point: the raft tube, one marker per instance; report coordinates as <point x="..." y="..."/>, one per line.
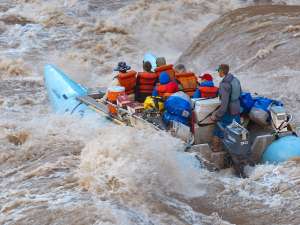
<point x="62" y="92"/>
<point x="283" y="149"/>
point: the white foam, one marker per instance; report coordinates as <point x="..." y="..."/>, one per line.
<point x="132" y="177"/>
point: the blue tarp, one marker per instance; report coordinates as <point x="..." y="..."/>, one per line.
<point x="247" y="102"/>
<point x="178" y="108"/>
<point x="179" y="104"/>
<point x="168" y="117"/>
<point x="263" y="103"/>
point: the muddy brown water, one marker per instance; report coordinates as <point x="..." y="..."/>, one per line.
<point x="58" y="169"/>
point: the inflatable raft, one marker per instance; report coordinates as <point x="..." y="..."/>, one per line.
<point x="265" y="145"/>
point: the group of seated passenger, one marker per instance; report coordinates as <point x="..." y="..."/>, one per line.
<point x="163" y="81"/>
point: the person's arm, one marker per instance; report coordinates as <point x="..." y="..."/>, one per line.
<point x="225" y="90"/>
<point x="115" y="82"/>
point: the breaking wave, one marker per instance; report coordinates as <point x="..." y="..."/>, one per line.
<point x="56" y="169"/>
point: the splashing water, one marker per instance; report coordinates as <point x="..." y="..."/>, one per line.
<point x="60" y="170"/>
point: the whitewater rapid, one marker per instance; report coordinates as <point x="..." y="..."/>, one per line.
<point x="60" y="170"/>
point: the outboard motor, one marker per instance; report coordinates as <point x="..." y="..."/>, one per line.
<point x="236" y="139"/>
<point x="236" y="142"/>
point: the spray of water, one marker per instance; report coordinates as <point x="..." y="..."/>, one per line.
<point x="57" y="169"/>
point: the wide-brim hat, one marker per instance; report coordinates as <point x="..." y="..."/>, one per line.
<point x="122" y="66"/>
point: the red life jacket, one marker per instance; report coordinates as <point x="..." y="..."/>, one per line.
<point x="209" y="92"/>
<point x="188" y="81"/>
<point x="166" y="90"/>
<point x="146" y="82"/>
<point x="166" y="68"/>
<point x="128" y="80"/>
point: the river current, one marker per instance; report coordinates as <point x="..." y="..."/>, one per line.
<point x="57" y="169"/>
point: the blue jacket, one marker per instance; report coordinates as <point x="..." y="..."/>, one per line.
<point x="197" y="93"/>
<point x="154" y="92"/>
<point x="164" y="78"/>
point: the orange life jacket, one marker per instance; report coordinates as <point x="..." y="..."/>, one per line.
<point x="166" y="90"/>
<point x="209" y="92"/>
<point x="166" y="68"/>
<point x="188" y="81"/>
<point x="146" y="82"/>
<point x="128" y="80"/>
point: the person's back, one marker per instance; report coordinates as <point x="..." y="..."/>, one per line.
<point x="163" y="67"/>
<point x="206" y="87"/>
<point x="145" y="82"/>
<point x="126" y="78"/>
<point x="229" y="92"/>
<point x="166" y="90"/>
<point x="187" y="81"/>
<point x="165" y="87"/>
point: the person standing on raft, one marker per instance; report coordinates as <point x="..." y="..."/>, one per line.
<point x="229" y="92"/>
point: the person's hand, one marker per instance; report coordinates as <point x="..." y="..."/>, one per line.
<point x="213" y="117"/>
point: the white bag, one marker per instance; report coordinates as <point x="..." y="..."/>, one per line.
<point x="259" y="116"/>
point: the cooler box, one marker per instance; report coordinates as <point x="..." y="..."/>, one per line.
<point x="112" y="95"/>
<point x="203" y="107"/>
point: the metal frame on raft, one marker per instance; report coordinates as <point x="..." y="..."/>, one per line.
<point x="100" y="105"/>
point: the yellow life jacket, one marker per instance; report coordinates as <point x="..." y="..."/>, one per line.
<point x="154" y="103"/>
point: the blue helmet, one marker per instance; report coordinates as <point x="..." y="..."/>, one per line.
<point x="164" y="78"/>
